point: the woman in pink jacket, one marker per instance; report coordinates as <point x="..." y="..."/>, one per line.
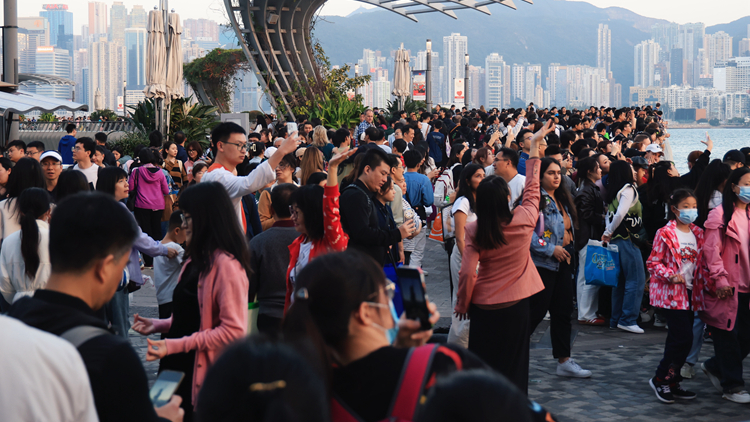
<point x="726" y="293"/>
<point x="210" y="299"/>
<point x="496" y="297"/>
<point x="675" y="270"/>
<point x="150" y="186"/>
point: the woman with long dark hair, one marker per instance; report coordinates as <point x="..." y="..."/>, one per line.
<point x="553" y="253"/>
<point x="663" y="179"/>
<point x="499" y="292"/>
<point x="150" y="186"/>
<point x="6" y="167"/>
<point x="194" y="152"/>
<point x="24" y="257"/>
<point x="173" y="166"/>
<point x="27" y="173"/>
<point x="284" y="174"/>
<point x="463" y="213"/>
<point x="447" y="183"/>
<point x="709" y="190"/>
<point x="70" y="183"/>
<point x="725" y="296"/>
<point x="210" y="300"/>
<point x="623" y="222"/>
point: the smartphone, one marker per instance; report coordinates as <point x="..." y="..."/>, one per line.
<point x="165" y="386"/>
<point x="411" y="283"/>
<point x="291" y="127"/>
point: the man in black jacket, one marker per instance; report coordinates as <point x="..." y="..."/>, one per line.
<point x="89" y="245"/>
<point x="358" y="213"/>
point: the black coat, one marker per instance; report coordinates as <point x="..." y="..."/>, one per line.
<point x="590" y="208"/>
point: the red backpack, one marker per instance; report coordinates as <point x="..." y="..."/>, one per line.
<point x="408" y="392"/>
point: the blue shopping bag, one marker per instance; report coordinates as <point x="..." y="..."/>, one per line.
<point x="602" y="264"/>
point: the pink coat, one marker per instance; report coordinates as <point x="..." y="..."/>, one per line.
<point x="222" y="297"/>
<point x="720" y="255"/>
<point x="664" y="263"/>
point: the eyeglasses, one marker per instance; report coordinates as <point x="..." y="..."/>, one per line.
<point x="282" y="165"/>
<point x="51" y="164"/>
<point x="32" y="153"/>
<point x="241" y="147"/>
<point x="292" y="211"/>
<point x="390" y="291"/>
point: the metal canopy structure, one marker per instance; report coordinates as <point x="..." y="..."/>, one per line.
<point x="275" y="36"/>
<point x="29" y="79"/>
<point x="24" y="102"/>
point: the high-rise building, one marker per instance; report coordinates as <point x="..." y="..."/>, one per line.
<point x="54" y="62"/>
<point x="421" y="64"/>
<point x="506" y="86"/>
<point x="475" y="89"/>
<point x="205" y="29"/>
<point x="718" y="48"/>
<point x="80" y="62"/>
<point x="604" y="48"/>
<point x="135" y="44"/>
<point x="33" y="32"/>
<point x="107" y="65"/>
<point x="60" y="25"/>
<point x="532" y="80"/>
<point x="455" y="48"/>
<point x="646" y="57"/>
<point x="494" y="86"/>
<point x="137" y="18"/>
<point x="552" y="82"/>
<point x="97" y="18"/>
<point x="666" y="35"/>
<point x="744" y="48"/>
<point x="733" y="75"/>
<point x="118" y="21"/>
<point x="518" y="79"/>
<point x="676" y="67"/>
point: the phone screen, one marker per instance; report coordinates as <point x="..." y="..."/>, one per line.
<point x="411" y="282"/>
<point x="291" y="127"/>
<point x="165" y="386"/>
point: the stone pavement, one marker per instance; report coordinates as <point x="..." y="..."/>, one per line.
<point x="621" y="362"/>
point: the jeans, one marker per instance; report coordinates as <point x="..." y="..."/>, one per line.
<point x="627" y="296"/>
<point x="118" y="306"/>
<point x="587" y="296"/>
<point x="150" y="223"/>
<point x="557" y="298"/>
<point x="695" y="350"/>
<point x="731" y="348"/>
<point x="677" y="347"/>
<point x="459" y="331"/>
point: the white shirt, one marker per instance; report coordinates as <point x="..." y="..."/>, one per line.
<point x="167" y="273"/>
<point x="386" y="148"/>
<point x="239" y="186"/>
<point x="9" y="217"/>
<point x="489" y="170"/>
<point x="688" y="255"/>
<point x="462" y="204"/>
<point x="43" y="378"/>
<point x="516" y="185"/>
<point x="91" y="173"/>
<point x="14" y="283"/>
<point x="716" y="199"/>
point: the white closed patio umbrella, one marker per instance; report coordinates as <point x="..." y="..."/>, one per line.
<point x="156" y="57"/>
<point x="174" y="64"/>
<point x="401" y="76"/>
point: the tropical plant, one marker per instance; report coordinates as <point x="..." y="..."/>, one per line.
<point x="410" y="106"/>
<point x="129" y="141"/>
<point x="143" y="116"/>
<point x="103" y="115"/>
<point x="214" y="74"/>
<point x="337" y="112"/>
<point x="47" y="117"/>
<point x="195" y="120"/>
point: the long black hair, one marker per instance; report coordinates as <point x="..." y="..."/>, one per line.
<point x="713" y="176"/>
<point x="309" y="199"/>
<point x="108" y="179"/>
<point x="32" y="204"/>
<point x="464" y="184"/>
<point x="729" y="197"/>
<point x="561" y="194"/>
<point x="215" y="226"/>
<point x="455" y="151"/>
<point x="493" y="212"/>
<point x="27" y="173"/>
<point x="660" y="184"/>
<point x="586" y="166"/>
<point x="620" y="174"/>
<point x="71" y="182"/>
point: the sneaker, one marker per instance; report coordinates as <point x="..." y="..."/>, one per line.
<point x="687" y="371"/>
<point x="663" y="392"/>
<point x="593" y="321"/>
<point x="572" y="369"/>
<point x="659" y="322"/>
<point x="631" y="328"/>
<point x="680" y="393"/>
<point x="645" y="317"/>
<point x="425" y="272"/>
<point x="713" y="378"/>
<point x="738" y="397"/>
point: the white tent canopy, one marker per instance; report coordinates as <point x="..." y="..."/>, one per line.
<point x="174" y="68"/>
<point x="156" y="57"/>
<point x="401" y="75"/>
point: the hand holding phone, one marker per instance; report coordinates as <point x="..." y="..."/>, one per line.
<point x="165" y="386"/>
<point x="414" y="297"/>
<point x="291" y="127"/>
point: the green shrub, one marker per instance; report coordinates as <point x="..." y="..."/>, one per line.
<point x="129" y="141"/>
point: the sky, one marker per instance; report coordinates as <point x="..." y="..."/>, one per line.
<point x="680" y="11"/>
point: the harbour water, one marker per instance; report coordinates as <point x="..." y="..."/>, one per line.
<point x="683" y="141"/>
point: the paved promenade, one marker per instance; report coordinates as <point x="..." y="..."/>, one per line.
<point x="621" y="364"/>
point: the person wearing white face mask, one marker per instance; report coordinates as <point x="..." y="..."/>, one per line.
<point x="675" y="274"/>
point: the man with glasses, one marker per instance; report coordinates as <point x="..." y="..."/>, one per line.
<point x="229" y="144"/>
<point x="83" y="153"/>
<point x="34" y="150"/>
<point x="524" y="140"/>
<point x="506" y="166"/>
<point x="51" y="167"/>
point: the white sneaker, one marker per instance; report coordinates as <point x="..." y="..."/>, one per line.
<point x="713" y="378"/>
<point x="631" y="328"/>
<point x="738" y="397"/>
<point x="687" y="371"/>
<point x="572" y="369"/>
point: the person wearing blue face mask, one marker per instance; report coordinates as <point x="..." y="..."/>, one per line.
<point x="675" y="270"/>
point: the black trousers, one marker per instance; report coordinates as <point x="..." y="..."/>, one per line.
<point x="557" y="298"/>
<point x="500" y="337"/>
<point x="732" y="347"/>
<point x="165" y="311"/>
<point x="150" y="223"/>
<point x="677" y="347"/>
<point x="268" y="324"/>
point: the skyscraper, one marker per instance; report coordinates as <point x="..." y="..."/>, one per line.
<point x="421" y="64"/>
<point x="118" y="19"/>
<point x="455" y="48"/>
<point x="205" y="29"/>
<point x="718" y="48"/>
<point x="60" y="25"/>
<point x="532" y="80"/>
<point x="54" y="62"/>
<point x="137" y="17"/>
<point x="646" y="57"/>
<point x="552" y="82"/>
<point x="666" y="35"/>
<point x="676" y="67"/>
<point x="135" y="44"/>
<point x="744" y="48"/>
<point x="604" y="48"/>
<point x="494" y="89"/>
<point x="97" y="18"/>
<point x="33" y="32"/>
<point x="107" y="65"/>
<point x="518" y="79"/>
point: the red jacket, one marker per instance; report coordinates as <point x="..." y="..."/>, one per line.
<point x="334" y="239"/>
<point x="664" y="263"/>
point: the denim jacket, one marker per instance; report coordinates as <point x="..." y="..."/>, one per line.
<point x="543" y="247"/>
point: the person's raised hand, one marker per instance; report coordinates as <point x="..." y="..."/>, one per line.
<point x="171" y="253"/>
<point x="495" y="136"/>
<point x="406" y="228"/>
<point x="172" y="410"/>
<point x="157" y="349"/>
<point x="340" y="157"/>
<point x="708" y="142"/>
<point x="510" y="137"/>
<point x="410" y="333"/>
<point x="548" y="127"/>
<point x="289" y="145"/>
<point x="142" y="325"/>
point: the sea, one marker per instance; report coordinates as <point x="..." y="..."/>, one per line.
<point x="684" y="141"/>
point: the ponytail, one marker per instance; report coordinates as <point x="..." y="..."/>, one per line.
<point x="32" y="204"/>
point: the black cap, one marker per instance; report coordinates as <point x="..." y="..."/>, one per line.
<point x="735" y="155"/>
<point x="639" y="162"/>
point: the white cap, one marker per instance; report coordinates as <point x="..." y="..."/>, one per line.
<point x="653" y="148"/>
<point x="269" y="151"/>
<point x="54" y="154"/>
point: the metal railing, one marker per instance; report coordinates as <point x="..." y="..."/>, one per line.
<point x="80" y="126"/>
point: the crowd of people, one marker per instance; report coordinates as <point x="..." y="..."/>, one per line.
<point x="296" y="238"/>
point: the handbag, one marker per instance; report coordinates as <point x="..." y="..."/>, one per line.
<point x="602" y="266"/>
<point x="131" y="196"/>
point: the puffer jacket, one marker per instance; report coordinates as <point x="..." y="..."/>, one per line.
<point x="590" y="208"/>
<point x="543" y="247"/>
